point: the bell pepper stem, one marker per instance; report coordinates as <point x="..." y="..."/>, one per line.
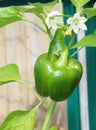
<point x="62" y="61"/>
<point x="49" y="115"/>
<point x="71" y="40"/>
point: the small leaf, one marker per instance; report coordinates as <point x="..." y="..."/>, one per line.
<point x="45" y="6"/>
<point x="9" y="15"/>
<point x="79" y="3"/>
<point x="37" y="9"/>
<point x="41" y="9"/>
<point x="94" y="6"/>
<point x="9" y="73"/>
<point x="88" y="41"/>
<point x="53" y="128"/>
<point x="48" y="6"/>
<point x="90" y="12"/>
<point x="20" y="120"/>
<point x="57" y="43"/>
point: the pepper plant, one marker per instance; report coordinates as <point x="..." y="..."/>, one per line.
<point x="56" y="72"/>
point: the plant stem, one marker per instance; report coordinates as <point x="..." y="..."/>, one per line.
<point x="35" y="25"/>
<point x="49" y="115"/>
<point x="34" y="93"/>
<point x="32" y="90"/>
<point x="48" y="32"/>
<point x="61" y="8"/>
<point x="71" y="40"/>
<point x="67" y="15"/>
<point x="60" y="5"/>
<point x="76" y="51"/>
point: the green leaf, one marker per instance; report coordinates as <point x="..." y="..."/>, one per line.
<point x="9" y="73"/>
<point x="12" y="14"/>
<point x="9" y="15"/>
<point x="41" y="9"/>
<point x="79" y="3"/>
<point x="37" y="10"/>
<point x="90" y="12"/>
<point x="94" y="6"/>
<point x="53" y="128"/>
<point x="57" y="43"/>
<point x="48" y="6"/>
<point x="20" y="120"/>
<point x="88" y="41"/>
<point x="45" y="6"/>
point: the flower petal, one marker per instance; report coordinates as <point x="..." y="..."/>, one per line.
<point x="83" y="20"/>
<point x="53" y="13"/>
<point x="77" y="22"/>
<point x="76" y="16"/>
<point x="53" y="19"/>
<point x="70" y="21"/>
<point x="75" y="29"/>
<point x="82" y="26"/>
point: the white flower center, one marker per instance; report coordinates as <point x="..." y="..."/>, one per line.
<point x="76" y="21"/>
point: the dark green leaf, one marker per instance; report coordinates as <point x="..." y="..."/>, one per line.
<point x="88" y="41"/>
<point x="20" y="120"/>
<point x="9" y="15"/>
<point x="79" y="3"/>
<point x="57" y="43"/>
<point x="9" y="73"/>
<point x="90" y="12"/>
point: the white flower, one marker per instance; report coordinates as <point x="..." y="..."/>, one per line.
<point x="77" y="22"/>
<point x="53" y="20"/>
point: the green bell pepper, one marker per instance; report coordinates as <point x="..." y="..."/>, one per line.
<point x="57" y="74"/>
